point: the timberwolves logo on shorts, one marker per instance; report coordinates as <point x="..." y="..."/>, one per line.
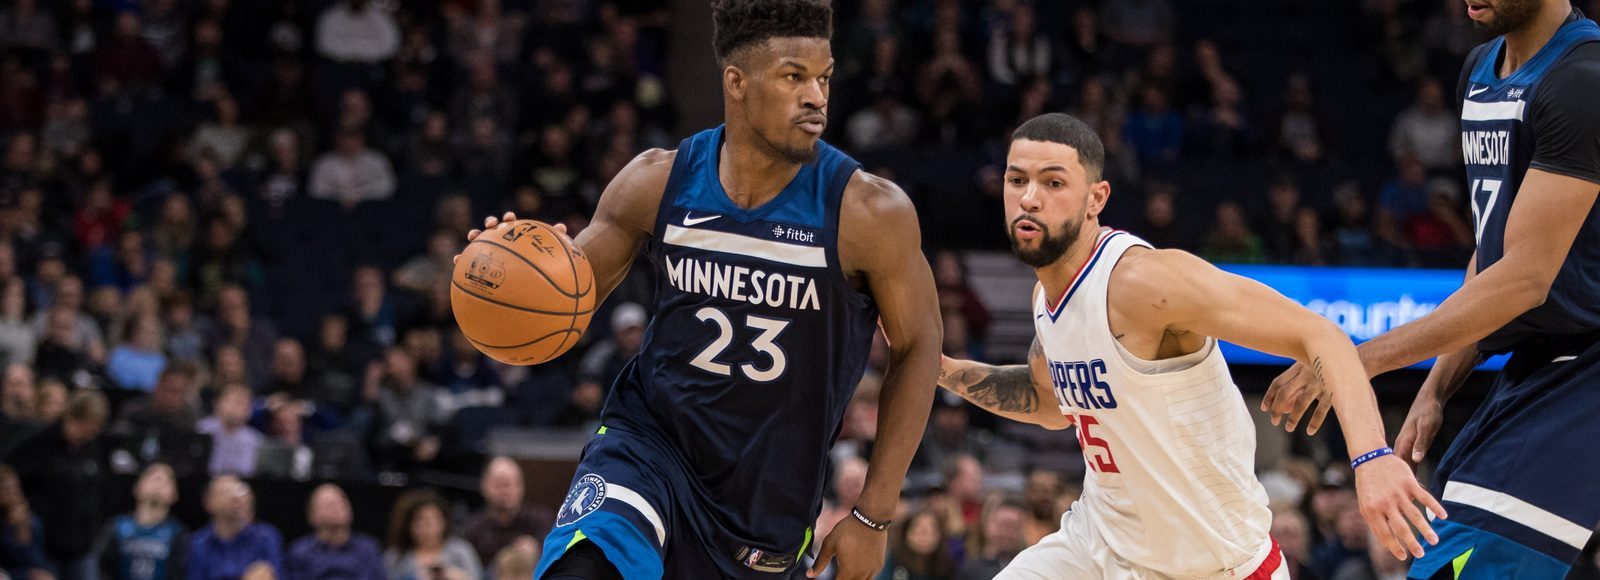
<point x="586" y="496"/>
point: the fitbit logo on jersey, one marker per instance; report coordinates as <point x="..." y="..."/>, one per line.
<point x="743" y="284"/>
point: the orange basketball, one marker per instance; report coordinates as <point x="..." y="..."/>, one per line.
<point x="522" y="293"/>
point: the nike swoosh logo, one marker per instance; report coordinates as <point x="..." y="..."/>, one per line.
<point x="1474" y="93"/>
<point x="689" y="220"/>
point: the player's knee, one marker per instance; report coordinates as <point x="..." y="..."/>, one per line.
<point x="583" y="561"/>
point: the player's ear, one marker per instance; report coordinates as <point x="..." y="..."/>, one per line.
<point x="734" y="81"/>
<point x="1099" y="193"/>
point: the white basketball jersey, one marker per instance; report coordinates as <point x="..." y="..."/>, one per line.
<point x="1169" y="444"/>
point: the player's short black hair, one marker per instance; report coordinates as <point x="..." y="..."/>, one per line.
<point x="1067" y="130"/>
<point x="739" y="24"/>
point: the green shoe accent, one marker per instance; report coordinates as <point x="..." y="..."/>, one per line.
<point x="1461" y="561"/>
<point x="803" y="546"/>
<point x="602" y="430"/>
<point x="577" y="537"/>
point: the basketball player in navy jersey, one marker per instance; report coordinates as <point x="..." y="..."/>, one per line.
<point x="775" y="258"/>
<point x="1522" y="479"/>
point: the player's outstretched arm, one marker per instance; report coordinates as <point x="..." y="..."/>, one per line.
<point x="1544" y="220"/>
<point x="881" y="243"/>
<point x="1170" y="291"/>
<point x="1294" y="391"/>
<point x="1017" y="392"/>
<point x="622" y="220"/>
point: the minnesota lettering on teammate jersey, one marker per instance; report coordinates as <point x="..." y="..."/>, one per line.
<point x="743" y="284"/>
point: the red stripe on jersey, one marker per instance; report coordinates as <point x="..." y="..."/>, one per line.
<point x="1055" y="310"/>
<point x="1269" y="565"/>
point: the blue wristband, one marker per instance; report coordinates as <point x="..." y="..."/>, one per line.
<point x="1369" y="456"/>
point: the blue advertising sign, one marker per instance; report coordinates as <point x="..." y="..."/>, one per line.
<point x="1365" y="302"/>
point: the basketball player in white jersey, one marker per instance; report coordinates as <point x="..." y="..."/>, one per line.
<point x="1127" y="345"/>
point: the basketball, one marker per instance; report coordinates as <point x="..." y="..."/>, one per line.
<point x="522" y="293"/>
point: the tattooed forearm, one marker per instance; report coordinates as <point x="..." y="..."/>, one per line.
<point x="1007" y="389"/>
<point x="1316" y="367"/>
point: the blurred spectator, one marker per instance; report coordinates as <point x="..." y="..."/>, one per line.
<point x="964" y="482"/>
<point x="1039" y="496"/>
<point x="332" y="551"/>
<point x="1222" y="128"/>
<point x="1138" y="23"/>
<point x="955" y="291"/>
<point x="357" y="31"/>
<point x="22" y="554"/>
<point x="187" y="331"/>
<point x="1427" y="130"/>
<point x="1301" y="134"/>
<point x="887" y="124"/>
<point x="63" y="470"/>
<point x="1154" y="130"/>
<point x="918" y="551"/>
<point x="409" y="415"/>
<point x="421" y="546"/>
<point x="207" y="73"/>
<point x="1293" y="535"/>
<point x="53" y="396"/>
<point x="18" y="337"/>
<point x="149" y="543"/>
<point x="25" y="25"/>
<point x="483" y="97"/>
<point x="505" y="520"/>
<point x="77" y="330"/>
<point x="126" y="59"/>
<point x="1159" y="223"/>
<point x="233" y="542"/>
<point x="1017" y="51"/>
<point x="1230" y="239"/>
<point x="423" y="272"/>
<point x="1338" y="524"/>
<point x="325" y="397"/>
<point x="66" y="128"/>
<point x="374" y="312"/>
<point x="168" y="410"/>
<point x="233" y="441"/>
<point x="222" y="138"/>
<point x="1442" y="237"/>
<point x="352" y="172"/>
<point x="1000" y="541"/>
<point x="489" y="31"/>
<point x="1378" y="564"/>
<point x="1355" y="239"/>
<point x="19" y="402"/>
<point x="1310" y="245"/>
<point x="137" y="363"/>
<point x="1402" y="198"/>
<point x="516" y="561"/>
<point x="605" y="360"/>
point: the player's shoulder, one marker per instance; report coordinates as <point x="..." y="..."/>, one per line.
<point x="1145" y="271"/>
<point x="649" y="166"/>
<point x="872" y="197"/>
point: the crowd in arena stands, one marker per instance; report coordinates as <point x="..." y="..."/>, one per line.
<point x="226" y="230"/>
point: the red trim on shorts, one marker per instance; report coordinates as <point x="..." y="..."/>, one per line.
<point x="1269" y="565"/>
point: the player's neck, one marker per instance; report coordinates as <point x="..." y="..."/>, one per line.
<point x="1522" y="44"/>
<point x="750" y="171"/>
<point x="1058" y="275"/>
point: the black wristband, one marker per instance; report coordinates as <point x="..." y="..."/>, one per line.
<point x="869" y="522"/>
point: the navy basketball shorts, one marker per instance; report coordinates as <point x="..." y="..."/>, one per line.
<point x="1522" y="480"/>
<point x="626" y="499"/>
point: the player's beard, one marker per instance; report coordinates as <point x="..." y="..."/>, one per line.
<point x="1052" y="245"/>
<point x="1509" y="16"/>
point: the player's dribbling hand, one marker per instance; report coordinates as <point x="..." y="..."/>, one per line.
<point x="1291" y="395"/>
<point x="1422" y="423"/>
<point x="492" y="222"/>
<point x="1388" y="494"/>
<point x="859" y="549"/>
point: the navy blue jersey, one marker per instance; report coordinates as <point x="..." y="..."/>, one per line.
<point x="757" y="344"/>
<point x="1541" y="116"/>
<point x="143" y="553"/>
